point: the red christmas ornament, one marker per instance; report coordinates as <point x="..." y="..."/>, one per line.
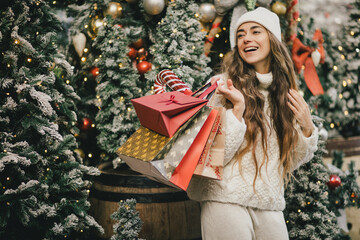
<point x="138" y="44"/>
<point x="143" y="67"/>
<point x="142" y="54"/>
<point x="334" y="181"/>
<point x="94" y="71"/>
<point x="132" y="53"/>
<point x="85" y="124"/>
<point x="119" y="25"/>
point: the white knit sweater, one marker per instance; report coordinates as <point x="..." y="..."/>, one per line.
<point x="237" y="188"/>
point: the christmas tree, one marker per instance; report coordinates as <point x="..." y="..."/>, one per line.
<point x="178" y="44"/>
<point x="308" y="214"/>
<point x="128" y="221"/>
<point x="44" y="185"/>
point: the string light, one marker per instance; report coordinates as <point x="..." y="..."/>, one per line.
<point x="86" y="50"/>
<point x="54" y="2"/>
<point x="301" y="32"/>
<point x="85" y="79"/>
<point x="332" y="125"/>
<point x="96" y="60"/>
<point x="217" y="35"/>
<point x="16" y="41"/>
<point x="110" y="41"/>
<point x="120" y="65"/>
<point x="93" y="125"/>
<point x="298" y="19"/>
<point x="90" y="155"/>
<point x="352" y="33"/>
<point x="335" y="68"/>
<point x="346" y="112"/>
<point x="129" y="109"/>
<point x="221" y="55"/>
<point x="83" y="59"/>
<point x="196" y="15"/>
<point x="340" y="48"/>
<point x="175" y="31"/>
<point x="357" y="50"/>
<point x="5" y="150"/>
<point x="67" y="81"/>
<point x="299" y="210"/>
<point x="340" y="96"/>
<point x="37" y="33"/>
<point x="8" y="178"/>
<point x="344" y="83"/>
<point x="8" y="65"/>
<point x="224" y="28"/>
<point x="37" y="3"/>
<point x="308" y="203"/>
<point x="86" y="26"/>
<point x="45" y="150"/>
<point x="342" y="56"/>
<point x="29" y="60"/>
<point x="8" y="94"/>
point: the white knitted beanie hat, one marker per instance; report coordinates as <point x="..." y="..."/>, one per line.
<point x="262" y="16"/>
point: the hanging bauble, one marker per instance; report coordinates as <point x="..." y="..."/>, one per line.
<point x="207" y="12"/>
<point x="95" y="24"/>
<point x="94" y="71"/>
<point x="154" y="7"/>
<point x="79" y="42"/>
<point x="316" y="56"/>
<point x="334" y="181"/>
<point x="142" y="54"/>
<point x="132" y="53"/>
<point x="279" y="8"/>
<point x="143" y="67"/>
<point x="85" y="124"/>
<point x="132" y="1"/>
<point x="323" y="133"/>
<point x="114" y="9"/>
<point x="138" y="43"/>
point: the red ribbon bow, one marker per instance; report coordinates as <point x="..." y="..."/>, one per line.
<point x="301" y="56"/>
<point x="172" y="100"/>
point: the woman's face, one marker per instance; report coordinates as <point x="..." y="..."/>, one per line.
<point x="254" y="46"/>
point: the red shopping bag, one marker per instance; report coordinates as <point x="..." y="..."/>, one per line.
<point x="183" y="172"/>
<point x="165" y="113"/>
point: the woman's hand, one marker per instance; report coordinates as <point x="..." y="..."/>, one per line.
<point x="301" y="112"/>
<point x="233" y="95"/>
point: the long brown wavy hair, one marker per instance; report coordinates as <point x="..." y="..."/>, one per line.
<point x="244" y="78"/>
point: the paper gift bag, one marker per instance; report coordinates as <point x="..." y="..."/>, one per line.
<point x="156" y="169"/>
<point x="148" y="145"/>
<point x="164" y="113"/>
<point x="211" y="163"/>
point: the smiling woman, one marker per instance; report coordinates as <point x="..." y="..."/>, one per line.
<point x="269" y="133"/>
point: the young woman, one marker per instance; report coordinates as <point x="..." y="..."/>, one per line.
<point x="269" y="133"/>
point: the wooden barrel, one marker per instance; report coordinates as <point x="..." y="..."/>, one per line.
<point x="166" y="212"/>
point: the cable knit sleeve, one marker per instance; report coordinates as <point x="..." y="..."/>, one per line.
<point x="305" y="149"/>
<point x="234" y="135"/>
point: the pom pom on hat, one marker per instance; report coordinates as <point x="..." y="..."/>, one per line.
<point x="261" y="16"/>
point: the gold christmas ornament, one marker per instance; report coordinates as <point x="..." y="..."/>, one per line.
<point x="114" y="10"/>
<point x="79" y="42"/>
<point x="95" y="24"/>
<point x="154" y="7"/>
<point x="207" y="12"/>
<point x="279" y="8"/>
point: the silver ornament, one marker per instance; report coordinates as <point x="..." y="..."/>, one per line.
<point x="323" y="133"/>
<point x="154" y="7"/>
<point x="207" y="12"/>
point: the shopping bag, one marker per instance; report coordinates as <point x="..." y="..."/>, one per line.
<point x="147" y="145"/>
<point x="158" y="169"/>
<point x="211" y="162"/>
<point x="184" y="171"/>
<point x="164" y="113"/>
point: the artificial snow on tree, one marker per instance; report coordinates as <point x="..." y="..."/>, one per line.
<point x="128" y="221"/>
<point x="118" y="83"/>
<point x="308" y="214"/>
<point x="44" y="185"/>
<point x="178" y="44"/>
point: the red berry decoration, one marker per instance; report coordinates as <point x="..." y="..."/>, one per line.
<point x="94" y="71"/>
<point x="132" y="53"/>
<point x="85" y="124"/>
<point x="138" y="43"/>
<point x="143" y="67"/>
<point x="334" y="182"/>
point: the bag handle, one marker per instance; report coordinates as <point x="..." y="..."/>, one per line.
<point x="208" y="90"/>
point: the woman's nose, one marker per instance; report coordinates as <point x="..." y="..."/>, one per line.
<point x="247" y="38"/>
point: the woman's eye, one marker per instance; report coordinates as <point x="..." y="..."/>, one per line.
<point x="240" y="36"/>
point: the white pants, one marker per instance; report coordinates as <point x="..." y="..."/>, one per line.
<point x="222" y="221"/>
